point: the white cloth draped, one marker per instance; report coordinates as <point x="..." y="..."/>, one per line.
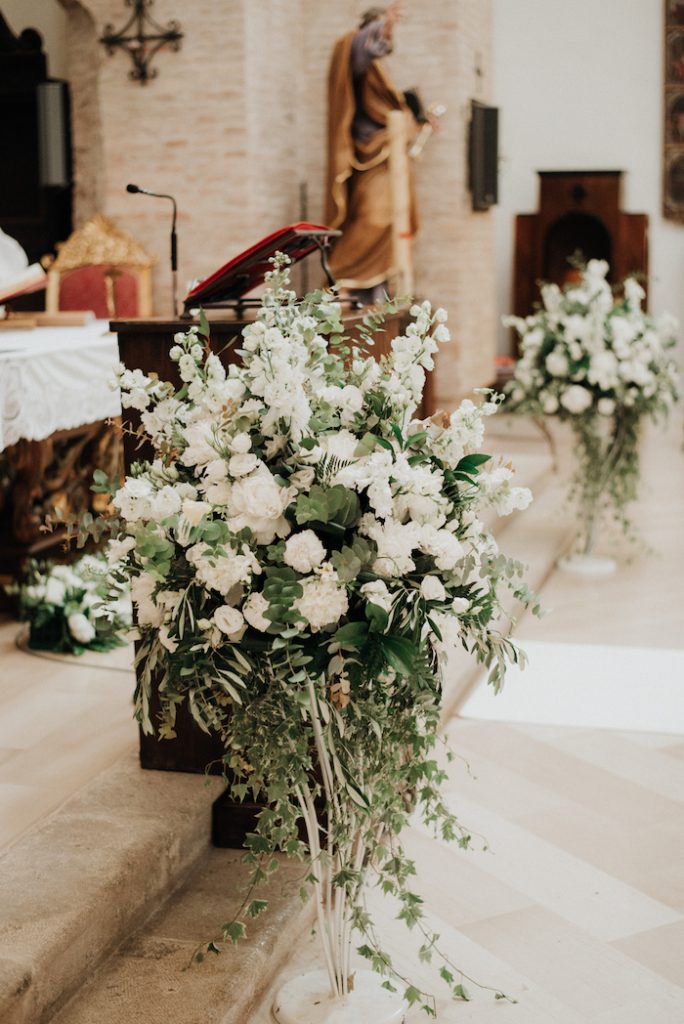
<point x="55" y="378"/>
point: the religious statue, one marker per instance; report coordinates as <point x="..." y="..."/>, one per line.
<point x="361" y="95"/>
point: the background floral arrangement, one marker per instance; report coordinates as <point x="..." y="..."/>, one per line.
<point x="603" y="366"/>
<point x="302" y="552"/>
<point x="72" y="608"/>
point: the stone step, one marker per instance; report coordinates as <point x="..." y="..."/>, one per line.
<point x="152" y="977"/>
<point x="77" y="884"/>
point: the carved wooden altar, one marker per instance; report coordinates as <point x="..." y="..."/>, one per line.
<point x="39" y="478"/>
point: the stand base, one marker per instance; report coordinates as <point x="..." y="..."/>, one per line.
<point x="587" y="565"/>
<point x="306" y="999"/>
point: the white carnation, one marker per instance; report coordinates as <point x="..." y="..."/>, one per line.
<point x="446" y="549"/>
<point x="432" y="589"/>
<point x="304" y="551"/>
<point x="323" y="602"/>
<point x="81" y="628"/>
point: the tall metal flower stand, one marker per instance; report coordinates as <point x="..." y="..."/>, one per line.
<point x="307" y="999"/>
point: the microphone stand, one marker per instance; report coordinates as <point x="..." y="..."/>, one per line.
<point x="174" y="243"/>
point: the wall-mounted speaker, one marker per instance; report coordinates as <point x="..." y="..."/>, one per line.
<point x="53" y="133"/>
<point x="483" y="156"/>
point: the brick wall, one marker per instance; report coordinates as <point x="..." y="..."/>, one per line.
<point x="234" y="125"/>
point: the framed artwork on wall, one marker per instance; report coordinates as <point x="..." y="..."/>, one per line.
<point x="673" y="111"/>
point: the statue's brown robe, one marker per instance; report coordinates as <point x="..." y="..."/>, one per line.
<point x="358" y="185"/>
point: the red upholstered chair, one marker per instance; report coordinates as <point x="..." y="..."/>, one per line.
<point x="103" y="269"/>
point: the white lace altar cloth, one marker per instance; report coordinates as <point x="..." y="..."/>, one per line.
<point x="55" y="378"/>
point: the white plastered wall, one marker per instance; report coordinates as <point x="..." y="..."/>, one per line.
<point x="580" y="88"/>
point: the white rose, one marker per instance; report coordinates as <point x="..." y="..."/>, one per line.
<point x="240" y="444"/>
<point x="550" y="404"/>
<point x="557" y="364"/>
<point x="257" y="501"/>
<point x="215" y="470"/>
<point x="253" y="610"/>
<point x="576" y="399"/>
<point x="377" y="593"/>
<point x="304" y="551"/>
<point x="219" y="493"/>
<point x="169" y="642"/>
<point x="449" y="627"/>
<point x="460" y="605"/>
<point x="351" y="398"/>
<point x="432" y="589"/>
<point x="606" y="406"/>
<point x="193" y="511"/>
<point x="241" y="465"/>
<point x="230" y="621"/>
<point x="81" y="628"/>
<point x="54" y="591"/>
<point x="118" y="549"/>
<point x="149" y="614"/>
<point x="165" y="503"/>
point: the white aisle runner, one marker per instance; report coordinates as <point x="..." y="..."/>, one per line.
<point x="590" y="686"/>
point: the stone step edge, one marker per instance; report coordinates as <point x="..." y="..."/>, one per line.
<point x="81" y="881"/>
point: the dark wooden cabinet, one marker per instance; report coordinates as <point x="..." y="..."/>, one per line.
<point x="579" y="213"/>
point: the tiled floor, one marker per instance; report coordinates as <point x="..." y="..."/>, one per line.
<point x="577" y="909"/>
<point x="62" y="721"/>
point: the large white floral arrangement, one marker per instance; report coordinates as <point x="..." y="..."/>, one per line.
<point x="603" y="366"/>
<point x="71" y="608"/>
<point x="302" y="553"/>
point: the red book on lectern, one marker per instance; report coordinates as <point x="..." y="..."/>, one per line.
<point x="248" y="270"/>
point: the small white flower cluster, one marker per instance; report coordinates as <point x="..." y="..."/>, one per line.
<point x="293" y="491"/>
<point x="584" y="353"/>
<point x="68" y="607"/>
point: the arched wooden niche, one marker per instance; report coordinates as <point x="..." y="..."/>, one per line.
<point x="579" y="214"/>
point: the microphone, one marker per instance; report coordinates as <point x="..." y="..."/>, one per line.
<point x="174" y="240"/>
